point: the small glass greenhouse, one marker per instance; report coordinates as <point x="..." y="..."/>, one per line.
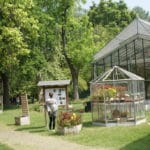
<point x="118" y="98"/>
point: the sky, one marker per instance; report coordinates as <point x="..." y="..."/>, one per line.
<point x="145" y="4"/>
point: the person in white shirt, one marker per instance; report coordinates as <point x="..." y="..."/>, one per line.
<point x="52" y="108"/>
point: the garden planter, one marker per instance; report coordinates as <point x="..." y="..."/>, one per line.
<point x="69" y="130"/>
<point x="22" y="120"/>
<point x="69" y="122"/>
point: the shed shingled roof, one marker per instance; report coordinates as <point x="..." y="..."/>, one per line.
<point x="54" y="83"/>
<point x="137" y="28"/>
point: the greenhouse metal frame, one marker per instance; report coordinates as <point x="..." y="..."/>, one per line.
<point x="118" y="98"/>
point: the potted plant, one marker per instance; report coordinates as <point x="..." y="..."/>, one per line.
<point x="69" y="122"/>
<point x="109" y="93"/>
<point x="103" y="92"/>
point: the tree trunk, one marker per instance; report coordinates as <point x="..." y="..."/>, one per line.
<point x="5" y="80"/>
<point x="75" y="88"/>
<point x="75" y="83"/>
<point x="73" y="70"/>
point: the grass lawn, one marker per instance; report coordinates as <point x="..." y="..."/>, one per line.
<point x="4" y="147"/>
<point x="121" y="138"/>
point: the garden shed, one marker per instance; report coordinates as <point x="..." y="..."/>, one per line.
<point x="118" y="98"/>
<point x="130" y="50"/>
<point x="57" y="87"/>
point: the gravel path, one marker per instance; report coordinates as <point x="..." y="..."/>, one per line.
<point x="28" y="141"/>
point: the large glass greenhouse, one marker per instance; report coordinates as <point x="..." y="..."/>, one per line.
<point x="130" y="50"/>
<point x="118" y="98"/>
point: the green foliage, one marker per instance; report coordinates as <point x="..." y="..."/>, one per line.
<point x="140" y="12"/>
<point x="19" y="32"/>
<point x="111" y="13"/>
<point x="31" y="43"/>
<point x="109" y="18"/>
<point x="12" y="45"/>
<point x="49" y="40"/>
<point x="35" y="107"/>
<point x="66" y="48"/>
<point x="82" y="84"/>
<point x="80" y="41"/>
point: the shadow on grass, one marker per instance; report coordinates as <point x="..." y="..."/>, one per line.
<point x="29" y="128"/>
<point x="12" y="106"/>
<point x="11" y="124"/>
<point x="87" y="124"/>
<point x="141" y="144"/>
<point x="37" y="129"/>
<point x="32" y="129"/>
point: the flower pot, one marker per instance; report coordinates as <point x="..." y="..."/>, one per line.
<point x="69" y="130"/>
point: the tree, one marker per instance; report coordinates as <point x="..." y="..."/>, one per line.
<point x="26" y="74"/>
<point x="72" y="33"/>
<point x="49" y="40"/>
<point x="108" y="19"/>
<point x="76" y="40"/>
<point x="80" y="48"/>
<point x="17" y="28"/>
<point x="141" y="13"/>
<point x="112" y="14"/>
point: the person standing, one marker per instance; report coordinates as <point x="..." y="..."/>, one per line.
<point x="52" y="108"/>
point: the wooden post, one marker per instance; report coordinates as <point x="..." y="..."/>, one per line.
<point x="1" y="96"/>
<point x="1" y="103"/>
<point x="25" y="118"/>
<point x="67" y="98"/>
<point x="45" y="110"/>
<point x="24" y="105"/>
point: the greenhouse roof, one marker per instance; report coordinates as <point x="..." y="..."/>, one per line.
<point x="116" y="74"/>
<point x="138" y="28"/>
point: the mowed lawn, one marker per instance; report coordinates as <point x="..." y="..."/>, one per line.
<point x="4" y="147"/>
<point x="119" y="137"/>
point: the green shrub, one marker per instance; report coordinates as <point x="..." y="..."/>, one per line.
<point x="35" y="107"/>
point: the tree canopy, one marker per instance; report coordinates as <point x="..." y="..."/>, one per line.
<point x="140" y="12"/>
<point x="47" y="39"/>
<point x="111" y="13"/>
<point x="19" y="32"/>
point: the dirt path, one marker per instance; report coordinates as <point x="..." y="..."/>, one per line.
<point x="28" y="141"/>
